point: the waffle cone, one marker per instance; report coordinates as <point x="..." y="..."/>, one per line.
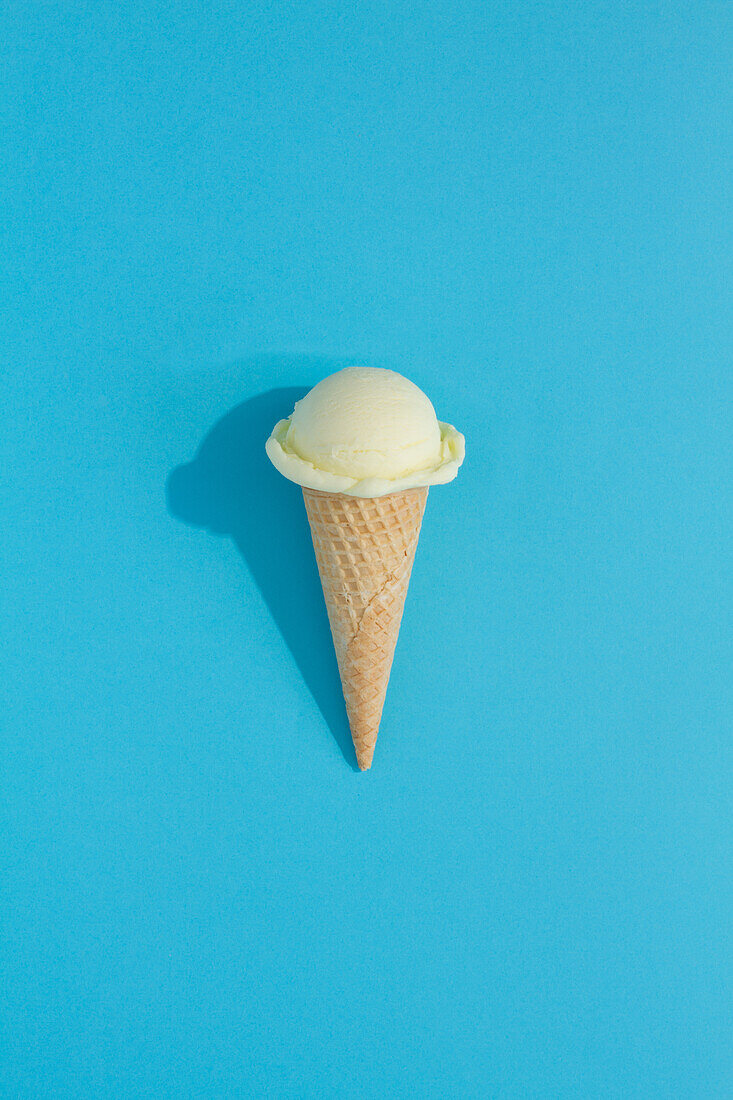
<point x="365" y="548"/>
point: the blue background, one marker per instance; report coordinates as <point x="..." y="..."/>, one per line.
<point x="526" y="209"/>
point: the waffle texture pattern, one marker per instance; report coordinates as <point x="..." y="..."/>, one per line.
<point x="365" y="547"/>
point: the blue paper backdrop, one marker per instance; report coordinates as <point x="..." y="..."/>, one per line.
<point x="525" y="208"/>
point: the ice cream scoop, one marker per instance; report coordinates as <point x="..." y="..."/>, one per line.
<point x="365" y="432"/>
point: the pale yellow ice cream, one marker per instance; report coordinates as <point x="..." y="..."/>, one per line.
<point x="366" y="432"/>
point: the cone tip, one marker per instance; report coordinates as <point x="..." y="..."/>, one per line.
<point x="364" y="759"/>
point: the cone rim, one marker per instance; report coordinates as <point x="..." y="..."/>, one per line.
<point x="352" y="496"/>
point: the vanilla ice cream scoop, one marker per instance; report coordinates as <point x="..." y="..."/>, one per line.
<point x="365" y="432"/>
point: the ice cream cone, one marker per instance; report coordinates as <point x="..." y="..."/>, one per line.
<point x="365" y="444"/>
<point x="365" y="547"/>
